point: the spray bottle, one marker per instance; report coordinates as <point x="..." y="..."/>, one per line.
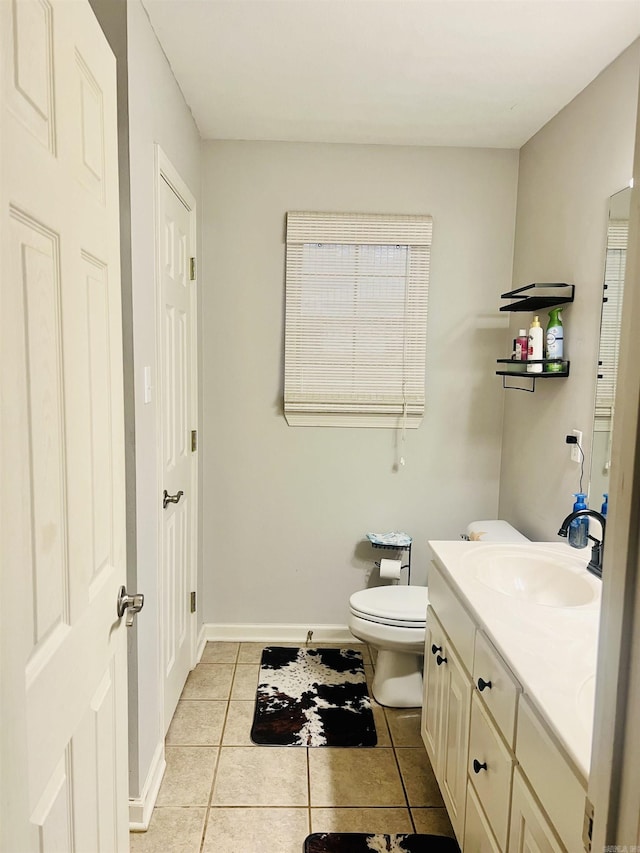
<point x="555" y="341"/>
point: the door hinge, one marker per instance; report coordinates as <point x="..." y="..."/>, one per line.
<point x="193" y="602"/>
<point x="587" y="826"/>
<point x="192" y="269"/>
<point x="194" y="440"/>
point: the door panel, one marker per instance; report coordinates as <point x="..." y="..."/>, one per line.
<point x="175" y="252"/>
<point x="63" y="736"/>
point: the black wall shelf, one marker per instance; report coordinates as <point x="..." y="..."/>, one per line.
<point x="536" y="297"/>
<point x="519" y="371"/>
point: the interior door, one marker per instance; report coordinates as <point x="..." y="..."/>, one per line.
<point x="63" y="731"/>
<point x="178" y="500"/>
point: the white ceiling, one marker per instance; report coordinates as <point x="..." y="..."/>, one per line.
<point x="406" y="72"/>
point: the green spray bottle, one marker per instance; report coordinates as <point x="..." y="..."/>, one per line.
<point x="555" y="341"/>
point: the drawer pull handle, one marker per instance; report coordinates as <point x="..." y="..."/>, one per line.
<point x="435" y="649"/>
<point x="440" y="660"/>
<point x="477" y="767"/>
<point x="482" y="684"/>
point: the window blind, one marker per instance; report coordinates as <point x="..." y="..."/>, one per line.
<point x="617" y="238"/>
<point x="356" y="314"/>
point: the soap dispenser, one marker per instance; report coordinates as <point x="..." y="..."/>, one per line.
<point x="579" y="527"/>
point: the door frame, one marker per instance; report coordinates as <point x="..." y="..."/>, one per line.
<point x="166" y="171"/>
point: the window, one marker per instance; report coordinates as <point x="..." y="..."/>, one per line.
<point x="617" y="238"/>
<point x="356" y="316"/>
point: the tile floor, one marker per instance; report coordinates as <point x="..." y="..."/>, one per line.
<point x="223" y="794"/>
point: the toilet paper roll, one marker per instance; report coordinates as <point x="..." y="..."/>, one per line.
<point x="390" y="569"/>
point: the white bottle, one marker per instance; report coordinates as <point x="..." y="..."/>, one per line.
<point x="535" y="346"/>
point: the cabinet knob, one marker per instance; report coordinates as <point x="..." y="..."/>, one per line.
<point x="440" y="660"/>
<point x="482" y="684"/>
<point x="477" y="767"/>
<point x="435" y="649"/>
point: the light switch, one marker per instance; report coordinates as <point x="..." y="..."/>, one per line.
<point x="147" y="384"/>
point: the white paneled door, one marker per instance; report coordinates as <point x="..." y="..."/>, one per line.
<point x="63" y="727"/>
<point x="175" y="238"/>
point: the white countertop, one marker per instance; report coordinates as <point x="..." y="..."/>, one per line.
<point x="551" y="650"/>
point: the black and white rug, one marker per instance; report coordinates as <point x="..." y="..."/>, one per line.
<point x="312" y="697"/>
<point x="360" y="842"/>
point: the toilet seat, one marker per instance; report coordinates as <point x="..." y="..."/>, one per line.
<point x="398" y="606"/>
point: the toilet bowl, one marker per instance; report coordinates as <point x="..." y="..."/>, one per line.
<point x="392" y="619"/>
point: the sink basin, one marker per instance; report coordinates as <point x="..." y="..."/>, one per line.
<point x="539" y="576"/>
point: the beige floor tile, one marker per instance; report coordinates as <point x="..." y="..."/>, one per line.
<point x="209" y="681"/>
<point x="176" y="829"/>
<point x="252" y="652"/>
<point x="245" y="681"/>
<point x="267" y="776"/>
<point x="404" y="725"/>
<point x="380" y="720"/>
<point x="354" y="777"/>
<point x="188" y="777"/>
<point x="361" y="820"/>
<point x="249" y="830"/>
<point x="417" y="775"/>
<point x="434" y="821"/>
<point x="197" y="723"/>
<point x="220" y="653"/>
<point x="237" y="728"/>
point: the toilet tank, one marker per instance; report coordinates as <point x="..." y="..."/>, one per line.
<point x="493" y="530"/>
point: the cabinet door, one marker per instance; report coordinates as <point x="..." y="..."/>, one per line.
<point x="478" y="837"/>
<point x="530" y="829"/>
<point x="456" y="701"/>
<point x="432" y="700"/>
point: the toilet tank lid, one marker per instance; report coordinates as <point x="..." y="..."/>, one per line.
<point x="407" y="603"/>
<point x="494" y="530"/>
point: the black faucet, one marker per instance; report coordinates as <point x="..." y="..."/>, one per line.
<point x="595" y="563"/>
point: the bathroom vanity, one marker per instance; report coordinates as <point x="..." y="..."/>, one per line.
<point x="509" y="690"/>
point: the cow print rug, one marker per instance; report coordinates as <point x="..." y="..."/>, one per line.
<point x="312" y="697"/>
<point x="357" y="842"/>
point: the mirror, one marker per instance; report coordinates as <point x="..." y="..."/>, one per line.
<point x="617" y="238"/>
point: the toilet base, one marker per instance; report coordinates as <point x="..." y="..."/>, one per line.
<point x="397" y="682"/>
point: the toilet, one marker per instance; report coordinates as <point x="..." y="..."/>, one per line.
<point x="392" y="619"/>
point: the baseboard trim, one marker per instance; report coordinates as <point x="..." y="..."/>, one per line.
<point x="141" y="808"/>
<point x="202" y="642"/>
<point x="276" y="633"/>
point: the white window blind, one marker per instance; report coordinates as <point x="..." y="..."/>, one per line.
<point x="356" y="315"/>
<point x="617" y="238"/>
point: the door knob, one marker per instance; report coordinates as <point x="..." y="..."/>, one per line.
<point x="132" y="603"/>
<point x="170" y="499"/>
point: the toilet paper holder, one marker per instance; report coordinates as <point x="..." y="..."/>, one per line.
<point x="397" y="548"/>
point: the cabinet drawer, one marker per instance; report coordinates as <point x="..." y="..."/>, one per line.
<point x="454" y="618"/>
<point x="499" y="690"/>
<point x="478" y="837"/>
<point x="490" y="769"/>
<point x="557" y="785"/>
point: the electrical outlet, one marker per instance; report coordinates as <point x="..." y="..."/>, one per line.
<point x="576" y="455"/>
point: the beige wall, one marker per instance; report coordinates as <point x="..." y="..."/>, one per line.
<point x="568" y="170"/>
<point x="285" y="509"/>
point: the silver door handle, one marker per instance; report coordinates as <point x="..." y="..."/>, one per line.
<point x="132" y="603"/>
<point x="170" y="499"/>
